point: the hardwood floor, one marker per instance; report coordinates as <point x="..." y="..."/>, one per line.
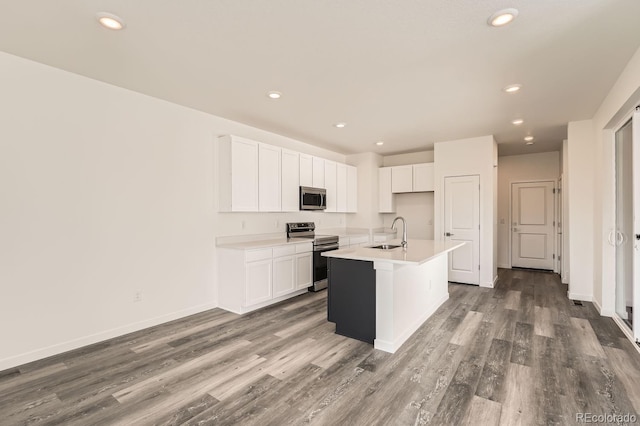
<point x="518" y="354"/>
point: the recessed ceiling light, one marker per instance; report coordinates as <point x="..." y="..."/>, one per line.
<point x="528" y="138"/>
<point x="110" y="21"/>
<point x="502" y="17"/>
<point x="340" y="125"/>
<point x="274" y="95"/>
<point x="517" y="121"/>
<point x="529" y="143"/>
<point x="512" y="88"/>
<point x="380" y="143"/>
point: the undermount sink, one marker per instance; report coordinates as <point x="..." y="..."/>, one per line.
<point x="385" y="247"/>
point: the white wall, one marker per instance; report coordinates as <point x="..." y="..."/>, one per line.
<point x="410" y="158"/>
<point x="566" y="208"/>
<point x="480" y="158"/>
<point x="417" y="210"/>
<point x="106" y="192"/>
<point x="581" y="157"/>
<point x="519" y="168"/>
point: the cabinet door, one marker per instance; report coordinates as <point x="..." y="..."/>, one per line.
<point x="423" y="177"/>
<point x="386" y="199"/>
<point x="401" y="179"/>
<point x="318" y="172"/>
<point x="244" y="175"/>
<point x="258" y="280"/>
<point x="341" y="183"/>
<point x="330" y="184"/>
<point x="306" y="170"/>
<point x="269" y="183"/>
<point x="352" y="189"/>
<point x="290" y="181"/>
<point x="284" y="275"/>
<point x="304" y="270"/>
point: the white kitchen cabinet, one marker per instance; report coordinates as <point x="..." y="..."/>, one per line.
<point x="304" y="270"/>
<point x="386" y="199"/>
<point x="341" y="183"/>
<point x="330" y="184"/>
<point x="401" y="179"/>
<point x="318" y="172"/>
<point x="284" y="275"/>
<point x="269" y="173"/>
<point x="306" y="170"/>
<point x="258" y="282"/>
<point x="249" y="279"/>
<point x="238" y="174"/>
<point x="290" y="181"/>
<point x="352" y="189"/>
<point x="423" y="179"/>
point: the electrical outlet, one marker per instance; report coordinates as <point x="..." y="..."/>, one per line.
<point x="137" y="296"/>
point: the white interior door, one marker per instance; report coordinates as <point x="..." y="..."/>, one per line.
<point x="532" y="220"/>
<point x="462" y="223"/>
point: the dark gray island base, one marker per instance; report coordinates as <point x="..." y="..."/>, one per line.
<point x="351" y="303"/>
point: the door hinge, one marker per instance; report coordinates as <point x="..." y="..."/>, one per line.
<point x="554" y="190"/>
<point x="478" y="267"/>
<point x="554" y="223"/>
<point x="554" y="256"/>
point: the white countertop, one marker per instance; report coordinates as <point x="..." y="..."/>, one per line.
<point x="416" y="252"/>
<point x="266" y="243"/>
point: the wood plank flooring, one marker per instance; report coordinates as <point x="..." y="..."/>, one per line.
<point x="521" y="353"/>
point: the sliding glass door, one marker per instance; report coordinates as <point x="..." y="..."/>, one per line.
<point x="627" y="160"/>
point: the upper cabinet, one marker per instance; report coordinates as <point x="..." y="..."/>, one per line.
<point x="402" y="179"/>
<point x="238" y="174"/>
<point x="423" y="179"/>
<point x="306" y="170"/>
<point x="352" y="189"/>
<point x="255" y="176"/>
<point x="269" y="173"/>
<point x="291" y="180"/>
<point x="386" y="200"/>
<point x="330" y="184"/>
<point x="318" y="173"/>
<point x="412" y="178"/>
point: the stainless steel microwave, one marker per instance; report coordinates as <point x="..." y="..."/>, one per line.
<point x="313" y="198"/>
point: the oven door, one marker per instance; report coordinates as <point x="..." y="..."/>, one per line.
<point x="320" y="265"/>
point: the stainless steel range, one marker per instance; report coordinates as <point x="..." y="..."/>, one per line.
<point x="321" y="243"/>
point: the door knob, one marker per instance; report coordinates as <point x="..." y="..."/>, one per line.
<point x="516" y="230"/>
<point x="448" y="234"/>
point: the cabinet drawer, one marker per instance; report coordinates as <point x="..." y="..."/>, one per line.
<point x="304" y="248"/>
<point x="261" y="254"/>
<point x="287" y="250"/>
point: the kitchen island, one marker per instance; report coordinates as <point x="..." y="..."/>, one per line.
<point x="384" y="296"/>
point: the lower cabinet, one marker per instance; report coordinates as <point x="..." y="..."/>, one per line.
<point x="252" y="279"/>
<point x="258" y="281"/>
<point x="304" y="271"/>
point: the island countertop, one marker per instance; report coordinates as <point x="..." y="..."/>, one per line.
<point x="417" y="252"/>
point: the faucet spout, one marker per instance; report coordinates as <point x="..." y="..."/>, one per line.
<point x="404" y="230"/>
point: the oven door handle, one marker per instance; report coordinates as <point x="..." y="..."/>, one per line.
<point x="326" y="247"/>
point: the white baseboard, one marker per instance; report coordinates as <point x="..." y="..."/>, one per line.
<point x="504" y="265"/>
<point x="393" y="346"/>
<point x="59" y="348"/>
<point x="605" y="312"/>
<point x="578" y="296"/>
<point x="490" y="284"/>
<point x="626" y="331"/>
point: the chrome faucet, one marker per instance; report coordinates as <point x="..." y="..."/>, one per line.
<point x="404" y="230"/>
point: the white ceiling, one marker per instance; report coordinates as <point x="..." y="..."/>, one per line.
<point x="409" y="72"/>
